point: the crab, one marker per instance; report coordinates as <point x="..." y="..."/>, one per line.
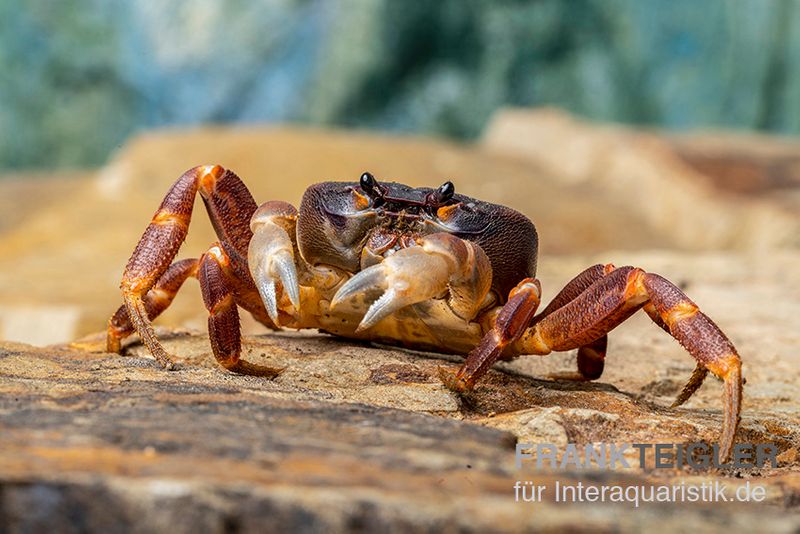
<point x="422" y="268"/>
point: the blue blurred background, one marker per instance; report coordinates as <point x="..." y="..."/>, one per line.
<point x="81" y="76"/>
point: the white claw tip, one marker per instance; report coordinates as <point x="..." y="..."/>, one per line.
<point x="284" y="267"/>
<point x="267" y="290"/>
<point x="369" y="279"/>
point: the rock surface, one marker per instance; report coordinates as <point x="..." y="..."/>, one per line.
<point x="356" y="437"/>
<point x="348" y="437"/>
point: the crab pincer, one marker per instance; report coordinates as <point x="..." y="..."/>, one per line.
<point x="419" y="267"/>
<point x="271" y="255"/>
<point x="439" y="265"/>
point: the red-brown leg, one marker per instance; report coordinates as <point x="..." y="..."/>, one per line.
<point x="574" y="288"/>
<point x="695" y="381"/>
<point x="611" y="300"/>
<point x="698" y="375"/>
<point x="217" y="280"/>
<point x="230" y="207"/>
<point x="156" y="300"/>
<point x="705" y="341"/>
<point x="510" y="323"/>
<point x="591" y="357"/>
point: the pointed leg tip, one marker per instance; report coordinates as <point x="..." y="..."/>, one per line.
<point x="168" y="365"/>
<point x="113" y="344"/>
<point x="453" y="381"/>
<point x="733" y="405"/>
<point x="680" y="400"/>
<point x="243" y="367"/>
<point x="569" y="376"/>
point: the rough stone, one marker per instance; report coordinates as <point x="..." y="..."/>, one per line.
<point x="662" y="182"/>
<point x="97" y="441"/>
<point x="358" y="437"/>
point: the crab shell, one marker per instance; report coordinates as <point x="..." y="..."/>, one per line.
<point x="339" y="225"/>
<point x="342" y="230"/>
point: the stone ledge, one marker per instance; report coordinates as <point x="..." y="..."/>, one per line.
<point x="98" y="441"/>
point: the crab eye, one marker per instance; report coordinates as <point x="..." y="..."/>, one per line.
<point x="368" y="183"/>
<point x="446" y="191"/>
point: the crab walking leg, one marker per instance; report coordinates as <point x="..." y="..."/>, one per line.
<point x="705" y="341"/>
<point x="591" y="357"/>
<point x="695" y="381"/>
<point x="575" y="287"/>
<point x="156" y="300"/>
<point x="229" y="205"/>
<point x="215" y="273"/>
<point x="440" y="263"/>
<point x="226" y="199"/>
<point x="611" y="300"/>
<point x="509" y="324"/>
<point x="698" y="375"/>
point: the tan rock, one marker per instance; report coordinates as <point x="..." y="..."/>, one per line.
<point x="352" y="436"/>
<point x="646" y="174"/>
<point x="114" y="441"/>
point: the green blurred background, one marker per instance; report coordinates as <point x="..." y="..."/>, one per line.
<point x="81" y="76"/>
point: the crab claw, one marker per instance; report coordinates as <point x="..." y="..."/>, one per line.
<point x="369" y="279"/>
<point x="277" y="267"/>
<point x="271" y="260"/>
<point x="407" y="277"/>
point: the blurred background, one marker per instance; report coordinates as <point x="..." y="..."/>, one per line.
<point x="617" y="126"/>
<point x="81" y="76"/>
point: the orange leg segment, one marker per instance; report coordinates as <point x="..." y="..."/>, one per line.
<point x="229" y="205"/>
<point x="156" y="300"/>
<point x="216" y="275"/>
<point x="603" y="305"/>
